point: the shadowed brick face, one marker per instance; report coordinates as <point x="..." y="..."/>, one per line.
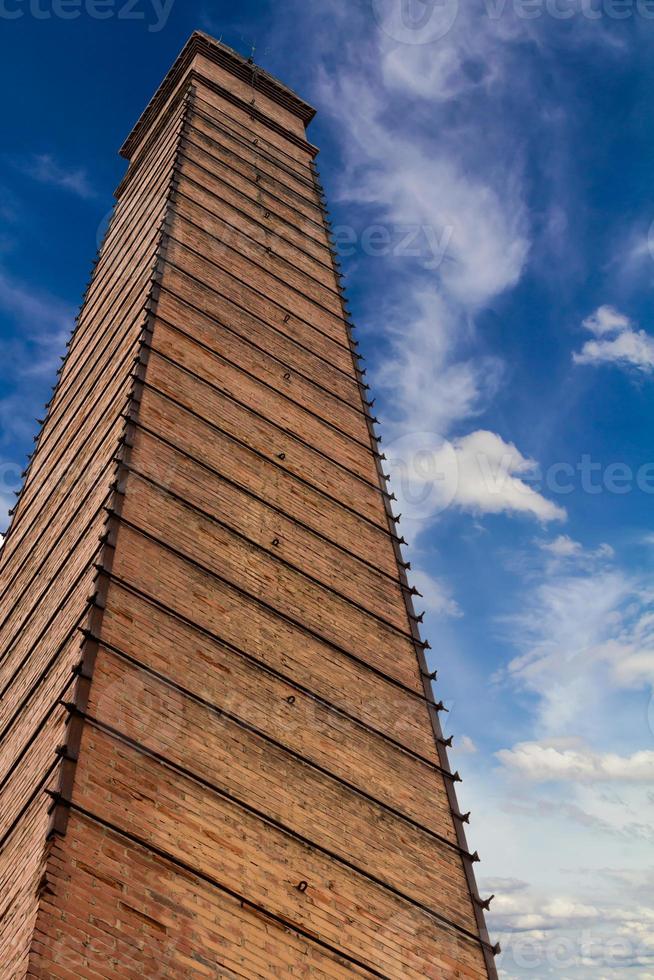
<point x="220" y="755"/>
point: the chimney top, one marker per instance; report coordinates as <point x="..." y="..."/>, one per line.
<point x="232" y="61"/>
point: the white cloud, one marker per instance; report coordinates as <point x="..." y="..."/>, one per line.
<point x="552" y="760"/>
<point x="465" y="745"/>
<point x="560" y="855"/>
<point x="607" y="320"/>
<point x="45" y="323"/>
<point x="45" y="169"/>
<point x="626" y="346"/>
<point x="410" y="184"/>
<point x="584" y="634"/>
<point x="436" y="596"/>
<point x="434" y="180"/>
<point x="478" y="473"/>
<point x="564" y="547"/>
<point x="559" y="934"/>
<point x="489" y="479"/>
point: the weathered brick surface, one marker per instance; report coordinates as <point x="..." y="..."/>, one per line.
<point x="37" y="703"/>
<point x="291" y="341"/>
<point x="258" y="681"/>
<point x="352" y="452"/>
<point x="214" y="744"/>
<point x="19" y="892"/>
<point x="276" y="314"/>
<point x="60" y="509"/>
<point x="46" y="566"/>
<point x="213" y="186"/>
<point x="271" y="529"/>
<point x="216" y="749"/>
<point x="220" y="135"/>
<point x="119" y="910"/>
<point x="261" y="182"/>
<point x="226" y="613"/>
<point x="259" y="861"/>
<point x="98" y="406"/>
<point x="268" y="290"/>
<point x="225" y="177"/>
<point x="262" y="575"/>
<point x="267" y="438"/>
<point x="266" y="476"/>
<point x="240" y="119"/>
<point x="213" y="235"/>
<point x="245" y="92"/>
<point x="292" y="260"/>
<point x="266" y="356"/>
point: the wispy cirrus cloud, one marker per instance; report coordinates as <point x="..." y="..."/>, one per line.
<point x="35" y="329"/>
<point x="435" y="595"/>
<point x="584" y="634"/>
<point x="45" y="169"/>
<point x="41" y="326"/>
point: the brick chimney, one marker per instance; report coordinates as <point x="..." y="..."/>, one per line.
<point x="220" y="749"/>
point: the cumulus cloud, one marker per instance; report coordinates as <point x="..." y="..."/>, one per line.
<point x="606" y="320"/>
<point x="478" y="473"/>
<point x="618" y="342"/>
<point x="542" y="762"/>
<point x="490" y="478"/>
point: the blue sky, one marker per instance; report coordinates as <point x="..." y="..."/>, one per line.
<point x="489" y="173"/>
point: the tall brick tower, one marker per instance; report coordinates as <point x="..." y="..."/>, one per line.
<point x="220" y="748"/>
